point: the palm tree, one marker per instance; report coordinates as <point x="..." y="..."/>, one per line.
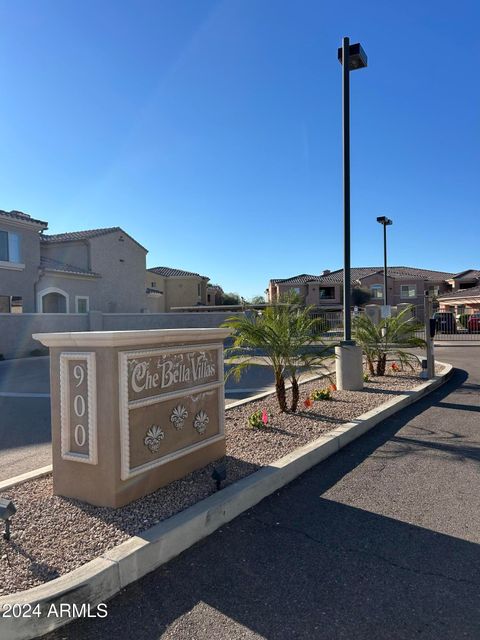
<point x="391" y="335"/>
<point x="284" y="333"/>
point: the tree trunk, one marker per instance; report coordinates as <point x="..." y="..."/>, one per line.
<point x="370" y="366"/>
<point x="295" y="394"/>
<point x="381" y="364"/>
<point x="281" y="395"/>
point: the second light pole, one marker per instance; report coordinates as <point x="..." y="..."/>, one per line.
<point x="386" y="222"/>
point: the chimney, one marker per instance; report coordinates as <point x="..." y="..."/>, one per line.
<point x="326" y="272"/>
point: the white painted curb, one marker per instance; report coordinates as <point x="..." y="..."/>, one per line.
<point x="25" y="477"/>
<point x="102" y="578"/>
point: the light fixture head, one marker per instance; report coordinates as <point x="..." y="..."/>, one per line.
<point x="384" y="220"/>
<point x="7" y="509"/>
<point x="357" y="58"/>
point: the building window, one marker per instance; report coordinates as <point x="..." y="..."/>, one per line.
<point x="434" y="290"/>
<point x="408" y="291"/>
<point x="327" y="293"/>
<point x="154" y="284"/>
<point x="82" y="304"/>
<point x="11" y="304"/>
<point x="16" y="304"/>
<point x="376" y="291"/>
<point x="9" y="247"/>
<point x="4" y="304"/>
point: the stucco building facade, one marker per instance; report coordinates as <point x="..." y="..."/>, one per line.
<point x="404" y="285"/>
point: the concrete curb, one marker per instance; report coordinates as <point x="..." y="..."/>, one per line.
<point x="25" y="477"/>
<point x="100" y="579"/>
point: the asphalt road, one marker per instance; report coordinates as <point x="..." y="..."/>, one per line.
<point x="380" y="541"/>
<point x="25" y="434"/>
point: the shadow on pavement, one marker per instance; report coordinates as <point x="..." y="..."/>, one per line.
<point x="21" y="426"/>
<point x="299" y="565"/>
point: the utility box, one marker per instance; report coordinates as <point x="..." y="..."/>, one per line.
<point x="133" y="411"/>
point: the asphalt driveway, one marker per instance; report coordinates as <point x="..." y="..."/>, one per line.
<point x="381" y="541"/>
<point x="25" y="434"/>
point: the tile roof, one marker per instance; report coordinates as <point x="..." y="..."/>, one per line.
<point x="471" y="292"/>
<point x="471" y="273"/>
<point x="55" y="265"/>
<point x="398" y="273"/>
<point x="167" y="272"/>
<point x="302" y="278"/>
<point x="358" y="273"/>
<point x="23" y="217"/>
<point x="72" y="236"/>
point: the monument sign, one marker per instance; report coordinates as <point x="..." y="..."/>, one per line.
<point x="133" y="410"/>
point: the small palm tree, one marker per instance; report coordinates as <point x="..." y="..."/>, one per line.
<point x="284" y="333"/>
<point x="391" y="335"/>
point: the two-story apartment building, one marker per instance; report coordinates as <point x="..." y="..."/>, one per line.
<point x="99" y="269"/>
<point x="465" y="294"/>
<point x="168" y="288"/>
<point x="405" y="284"/>
<point x="19" y="261"/>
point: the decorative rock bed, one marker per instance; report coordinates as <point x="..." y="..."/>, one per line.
<point x="52" y="535"/>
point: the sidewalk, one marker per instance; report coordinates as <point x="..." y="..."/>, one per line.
<point x="378" y="542"/>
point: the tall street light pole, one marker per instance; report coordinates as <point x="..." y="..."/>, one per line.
<point x="348" y="356"/>
<point x="351" y="57"/>
<point x="385" y="222"/>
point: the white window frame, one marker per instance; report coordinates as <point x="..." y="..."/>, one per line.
<point x="44" y="292"/>
<point x="376" y="291"/>
<point x="408" y="297"/>
<point x="12" y="248"/>
<point x="77" y="299"/>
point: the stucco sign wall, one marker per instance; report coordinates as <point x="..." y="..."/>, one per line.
<point x="141" y="408"/>
<point x="171" y="404"/>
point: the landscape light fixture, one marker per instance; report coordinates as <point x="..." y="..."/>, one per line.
<point x="7" y="510"/>
<point x="219" y="475"/>
<point x="385" y="222"/>
<point x="351" y="57"/>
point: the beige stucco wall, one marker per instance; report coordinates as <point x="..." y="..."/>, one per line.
<point x="121" y="265"/>
<point x="74" y="253"/>
<point x="178" y="291"/>
<point x="22" y="283"/>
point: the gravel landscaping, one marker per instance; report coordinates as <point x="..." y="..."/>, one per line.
<point x="52" y="535"/>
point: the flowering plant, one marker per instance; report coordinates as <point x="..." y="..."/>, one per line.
<point x="394" y="367"/>
<point x="258" y="419"/>
<point x="308" y="402"/>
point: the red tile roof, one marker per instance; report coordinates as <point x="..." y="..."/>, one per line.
<point x="167" y="272"/>
<point x="72" y="236"/>
<point x="24" y="217"/>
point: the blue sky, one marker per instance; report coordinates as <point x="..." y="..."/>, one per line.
<point x="211" y="130"/>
